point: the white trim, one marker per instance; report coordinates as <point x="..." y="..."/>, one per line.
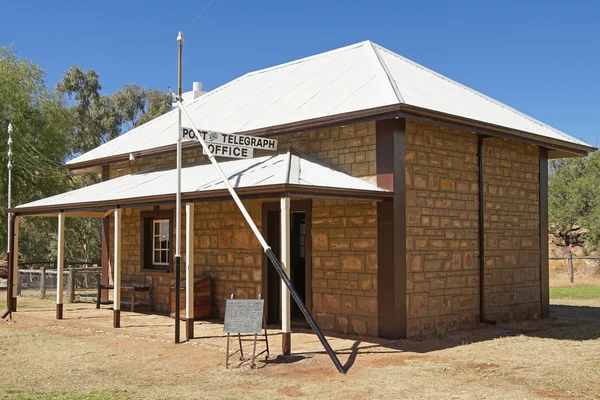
<point x="60" y="258"/>
<point x="286" y="319"/>
<point x="189" y="260"/>
<point x="154" y="236"/>
<point x="16" y="256"/>
<point x="117" y="261"/>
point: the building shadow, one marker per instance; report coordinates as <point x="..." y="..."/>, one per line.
<point x="576" y="323"/>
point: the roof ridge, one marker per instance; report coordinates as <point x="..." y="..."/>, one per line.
<point x="387" y="72"/>
<point x="477" y="93"/>
<point x="308" y="58"/>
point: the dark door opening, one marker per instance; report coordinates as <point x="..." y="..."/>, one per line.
<point x="298" y="267"/>
<point x="298" y="261"/>
<point x="273" y="280"/>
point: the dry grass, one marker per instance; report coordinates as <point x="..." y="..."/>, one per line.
<point x="542" y="360"/>
<point x="553" y="359"/>
<point x="30" y="301"/>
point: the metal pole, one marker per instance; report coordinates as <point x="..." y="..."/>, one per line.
<point x="178" y="200"/>
<point x="10" y="131"/>
<point x="265" y="246"/>
<point x="9" y="291"/>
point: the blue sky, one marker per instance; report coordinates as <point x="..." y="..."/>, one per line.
<point x="539" y="56"/>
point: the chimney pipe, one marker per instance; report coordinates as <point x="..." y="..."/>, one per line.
<point x="197" y="89"/>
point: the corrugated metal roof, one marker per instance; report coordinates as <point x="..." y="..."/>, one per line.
<point x="358" y="77"/>
<point x="262" y="171"/>
<point x="427" y="89"/>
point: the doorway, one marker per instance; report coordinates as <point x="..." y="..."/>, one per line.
<point x="300" y="257"/>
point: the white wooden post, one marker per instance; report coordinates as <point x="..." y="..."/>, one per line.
<point x="60" y="264"/>
<point x="189" y="270"/>
<point x="15" y="266"/>
<point x="285" y="292"/>
<point x="117" y="271"/>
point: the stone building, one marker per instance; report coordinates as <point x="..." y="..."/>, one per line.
<point x="418" y="205"/>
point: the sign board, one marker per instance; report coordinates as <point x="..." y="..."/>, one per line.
<point x="224" y="150"/>
<point x="230" y="139"/>
<point x="243" y="316"/>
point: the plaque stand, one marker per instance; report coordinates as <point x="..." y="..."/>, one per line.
<point x="255" y="340"/>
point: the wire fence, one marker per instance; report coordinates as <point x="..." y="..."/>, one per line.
<point x="40" y="279"/>
<point x="569" y="259"/>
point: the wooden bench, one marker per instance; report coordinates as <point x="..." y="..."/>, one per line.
<point x="132" y="288"/>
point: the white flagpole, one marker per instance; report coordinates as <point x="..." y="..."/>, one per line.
<point x="178" y="201"/>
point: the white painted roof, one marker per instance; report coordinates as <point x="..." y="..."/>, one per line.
<point x="353" y="78"/>
<point x="262" y="171"/>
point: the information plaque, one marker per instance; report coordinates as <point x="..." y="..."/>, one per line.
<point x="243" y="316"/>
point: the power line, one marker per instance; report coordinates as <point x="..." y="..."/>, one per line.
<point x="42" y="155"/>
<point x="46" y="165"/>
<point x="39" y="168"/>
<point x="198" y="16"/>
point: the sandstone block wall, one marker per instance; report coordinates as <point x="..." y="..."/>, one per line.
<point x="442" y="229"/>
<point x="512" y="239"/>
<point x="130" y="258"/>
<point x="344" y="235"/>
<point x="224" y="248"/>
<point x="350" y="149"/>
<point x="344" y="253"/>
<point x="442" y="215"/>
<point x="344" y="259"/>
<point x="227" y="250"/>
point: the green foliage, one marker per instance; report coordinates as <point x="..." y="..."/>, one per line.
<point x="99" y="118"/>
<point x="51" y="126"/>
<point x="41" y="129"/>
<point x="574" y="198"/>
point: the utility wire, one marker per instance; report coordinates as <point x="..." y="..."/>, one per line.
<point x="40" y="168"/>
<point x="38" y="164"/>
<point x="42" y="154"/>
<point x="198" y="16"/>
<point x="47" y="163"/>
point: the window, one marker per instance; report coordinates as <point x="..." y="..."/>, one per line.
<point x="155" y="238"/>
<point x="160" y="244"/>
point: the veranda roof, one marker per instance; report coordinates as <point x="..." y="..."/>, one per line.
<point x="362" y="80"/>
<point x="289" y="174"/>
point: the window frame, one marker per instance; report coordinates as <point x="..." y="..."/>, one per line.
<point x="154" y="236"/>
<point x="147" y="223"/>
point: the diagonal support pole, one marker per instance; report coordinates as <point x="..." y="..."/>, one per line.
<point x="265" y="246"/>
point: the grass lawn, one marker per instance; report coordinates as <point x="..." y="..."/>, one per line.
<point x="575" y="292"/>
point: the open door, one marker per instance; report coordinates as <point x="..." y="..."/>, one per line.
<point x="300" y="268"/>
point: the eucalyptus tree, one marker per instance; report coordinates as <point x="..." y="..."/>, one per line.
<point x="574" y="199"/>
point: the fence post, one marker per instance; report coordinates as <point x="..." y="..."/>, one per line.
<point x="71" y="285"/>
<point x="43" y="283"/>
<point x="571" y="273"/>
<point x="18" y="282"/>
